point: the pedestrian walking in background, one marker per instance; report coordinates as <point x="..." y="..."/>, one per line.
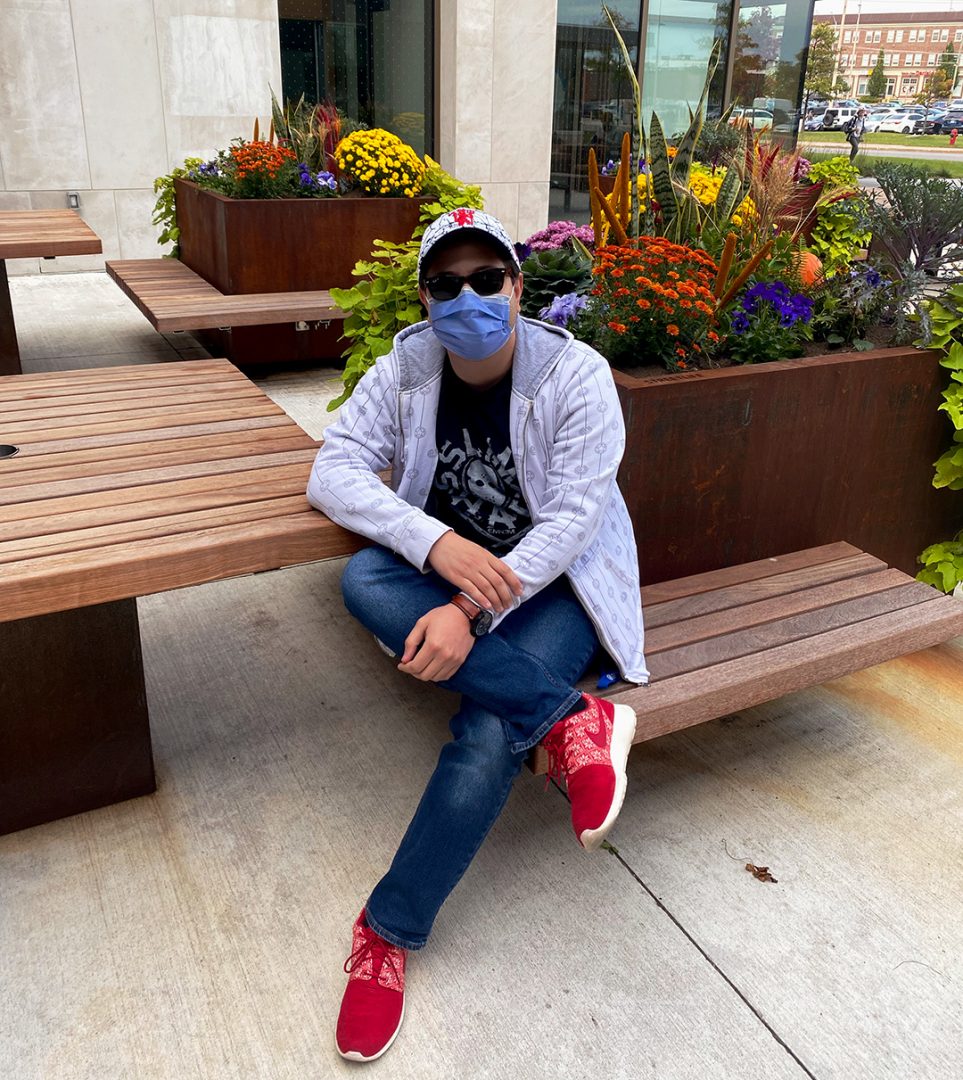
<point x="855" y="129"/>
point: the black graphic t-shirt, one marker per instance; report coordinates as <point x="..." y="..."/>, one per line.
<point x="476" y="489"/>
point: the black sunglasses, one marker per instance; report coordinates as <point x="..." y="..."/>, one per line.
<point x="484" y="282"/>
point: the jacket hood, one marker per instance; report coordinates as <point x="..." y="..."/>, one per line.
<point x="538" y="346"/>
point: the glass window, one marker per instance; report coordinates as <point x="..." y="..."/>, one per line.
<point x="912" y="35"/>
<point x="891" y="86"/>
<point x="944" y="35"/>
<point x="593" y="97"/>
<point x="899" y="35"/>
<point x="678" y="39"/>
<point x="768" y="60"/>
<point x="371" y="58"/>
<point x="958" y="35"/>
<point x="848" y="36"/>
<point x="861" y="86"/>
<point x="890" y="34"/>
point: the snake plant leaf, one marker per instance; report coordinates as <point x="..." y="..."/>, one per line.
<point x="732" y="191"/>
<point x="683" y="157"/>
<point x="662" y="189"/>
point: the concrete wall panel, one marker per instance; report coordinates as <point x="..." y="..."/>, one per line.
<point x="120" y="88"/>
<point x="42" y="143"/>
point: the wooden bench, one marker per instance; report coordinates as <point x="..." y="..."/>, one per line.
<point x="173" y="297"/>
<point x="724" y="641"/>
<point x="135" y="480"/>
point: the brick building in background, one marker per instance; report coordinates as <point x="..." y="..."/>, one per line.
<point x="912" y="46"/>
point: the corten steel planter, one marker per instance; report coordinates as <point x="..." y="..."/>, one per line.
<point x="282" y="245"/>
<point x="732" y="465"/>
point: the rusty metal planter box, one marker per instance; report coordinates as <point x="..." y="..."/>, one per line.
<point x="727" y="466"/>
<point x="282" y="245"/>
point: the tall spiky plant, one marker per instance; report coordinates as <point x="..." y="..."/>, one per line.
<point x="639" y="147"/>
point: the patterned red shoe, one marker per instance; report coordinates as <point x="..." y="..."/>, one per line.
<point x="373" y="1005"/>
<point x="589" y="749"/>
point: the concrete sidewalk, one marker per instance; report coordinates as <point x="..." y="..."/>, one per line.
<point x="200" y="932"/>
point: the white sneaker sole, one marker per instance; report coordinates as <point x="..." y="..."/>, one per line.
<point x="354" y="1055"/>
<point x="623" y="732"/>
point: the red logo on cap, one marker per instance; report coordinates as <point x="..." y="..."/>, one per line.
<point x="463" y="217"/>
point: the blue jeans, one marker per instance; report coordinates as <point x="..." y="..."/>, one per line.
<point x="516" y="684"/>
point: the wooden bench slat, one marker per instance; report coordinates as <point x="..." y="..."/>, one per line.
<point x="140" y="420"/>
<point x="30" y="234"/>
<point x="704" y="654"/>
<point x="144" y="501"/>
<point x="28" y="468"/>
<point x="174" y="297"/>
<point x="13" y="387"/>
<point x="39" y="494"/>
<point x="731" y="596"/>
<point x="693" y="698"/>
<point x="124" y="532"/>
<point x="174" y="403"/>
<point x="135" y="436"/>
<point x="735" y="618"/>
<point x="270" y="484"/>
<point x="108" y="400"/>
<point x="735" y="575"/>
<point x="78" y="579"/>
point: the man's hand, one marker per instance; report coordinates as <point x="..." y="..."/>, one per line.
<point x="437" y="645"/>
<point x="475" y="571"/>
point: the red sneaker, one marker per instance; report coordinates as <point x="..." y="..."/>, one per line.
<point x="590" y="749"/>
<point x="373" y="1005"/>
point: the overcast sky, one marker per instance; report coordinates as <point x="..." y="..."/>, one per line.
<point x="835" y="7"/>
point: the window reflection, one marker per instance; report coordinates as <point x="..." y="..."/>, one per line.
<point x="678" y="40"/>
<point x="372" y="58"/>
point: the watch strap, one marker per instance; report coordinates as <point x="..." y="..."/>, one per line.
<point x="465" y="605"/>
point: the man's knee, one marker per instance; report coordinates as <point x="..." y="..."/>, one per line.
<point x="364" y="570"/>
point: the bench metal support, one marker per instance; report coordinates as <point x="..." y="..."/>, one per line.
<point x="73" y="714"/>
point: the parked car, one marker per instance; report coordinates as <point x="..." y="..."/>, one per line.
<point x="939" y="125"/>
<point x="877" y="116"/>
<point x="759" y="118"/>
<point x="906" y="122"/>
<point x="814" y="122"/>
<point x="834" y="118"/>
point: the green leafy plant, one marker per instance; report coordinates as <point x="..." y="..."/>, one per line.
<point x="943" y="562"/>
<point x="385" y="299"/>
<point x="840" y="233"/>
<point x="553" y="273"/>
<point x="834" y="172"/>
<point x="165" y="211"/>
<point x="847" y="305"/>
<point x="918" y="217"/>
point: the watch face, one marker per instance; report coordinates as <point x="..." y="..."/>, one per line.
<point x="481" y="623"/>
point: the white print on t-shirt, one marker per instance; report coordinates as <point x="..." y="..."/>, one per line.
<point x="482" y="486"/>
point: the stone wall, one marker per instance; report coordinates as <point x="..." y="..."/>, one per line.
<point x="494" y="102"/>
<point x="101" y="97"/>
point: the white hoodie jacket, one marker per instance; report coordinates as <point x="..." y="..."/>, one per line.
<point x="567" y="438"/>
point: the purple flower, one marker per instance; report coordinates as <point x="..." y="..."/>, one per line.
<point x="563" y="309"/>
<point x="559" y="233"/>
<point x="740" y="322"/>
<point x="522" y="251"/>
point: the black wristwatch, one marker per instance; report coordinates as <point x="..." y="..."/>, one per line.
<point x="479" y="619"/>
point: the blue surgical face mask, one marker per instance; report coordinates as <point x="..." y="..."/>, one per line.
<point x="471" y="326"/>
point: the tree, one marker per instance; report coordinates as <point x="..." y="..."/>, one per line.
<point x="935" y="87"/>
<point x="820" y="61"/>
<point x="949" y="65"/>
<point x="876" y="83"/>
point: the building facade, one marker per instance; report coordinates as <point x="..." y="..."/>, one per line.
<point x="912" y="46"/>
<point x="98" y="98"/>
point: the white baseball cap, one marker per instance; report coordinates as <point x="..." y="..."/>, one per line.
<point x="465" y="220"/>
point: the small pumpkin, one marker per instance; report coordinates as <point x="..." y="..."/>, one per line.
<point x="809" y="267"/>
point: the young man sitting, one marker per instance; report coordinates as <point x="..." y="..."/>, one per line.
<point x="504" y="561"/>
